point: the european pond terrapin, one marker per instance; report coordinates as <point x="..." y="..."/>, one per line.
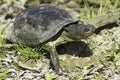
<point x="48" y="25"/>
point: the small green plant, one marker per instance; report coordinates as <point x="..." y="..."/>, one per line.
<point x="114" y="55"/>
<point x="2" y="35"/>
<point x="49" y="76"/>
<point x="3" y="75"/>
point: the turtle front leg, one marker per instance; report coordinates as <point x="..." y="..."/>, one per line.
<point x="54" y="58"/>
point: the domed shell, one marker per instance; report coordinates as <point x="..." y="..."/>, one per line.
<point x="38" y="24"/>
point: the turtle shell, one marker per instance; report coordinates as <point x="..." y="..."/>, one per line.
<point x="38" y="24"/>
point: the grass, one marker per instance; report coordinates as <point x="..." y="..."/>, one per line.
<point x="28" y="52"/>
<point x="3" y="75"/>
<point x="105" y="5"/>
<point x="113" y="56"/>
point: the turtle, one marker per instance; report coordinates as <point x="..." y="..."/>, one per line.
<point x="50" y="26"/>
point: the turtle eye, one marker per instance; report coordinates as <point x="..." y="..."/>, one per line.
<point x="86" y="29"/>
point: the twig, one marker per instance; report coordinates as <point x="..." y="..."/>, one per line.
<point x="24" y="66"/>
<point x="106" y="66"/>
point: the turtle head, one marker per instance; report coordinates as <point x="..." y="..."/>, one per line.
<point x="79" y="31"/>
<point x="85" y="30"/>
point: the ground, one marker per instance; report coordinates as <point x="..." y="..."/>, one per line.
<point x="94" y="58"/>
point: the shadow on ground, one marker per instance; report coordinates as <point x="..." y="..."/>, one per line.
<point x="77" y="48"/>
